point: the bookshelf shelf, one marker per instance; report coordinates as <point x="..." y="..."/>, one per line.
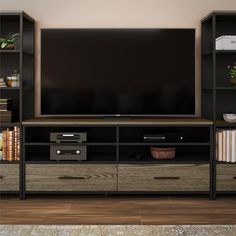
<point x="22" y="60"/>
<point x="9" y="51"/>
<point x="219" y="52"/>
<point x="69" y="162"/>
<point x="9" y="125"/>
<point x="224" y="162"/>
<point x="218" y="97"/>
<point x="49" y="143"/>
<point x="223" y="124"/>
<point x="223" y="88"/>
<point x="179" y="159"/>
<point x="9" y="162"/>
<point x="16" y="51"/>
<point x="10" y="88"/>
<point x="167" y="144"/>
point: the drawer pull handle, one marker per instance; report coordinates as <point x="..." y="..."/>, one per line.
<point x="71" y="177"/>
<point x="167" y="177"/>
<point x="234" y="177"/>
<point x="1" y="176"/>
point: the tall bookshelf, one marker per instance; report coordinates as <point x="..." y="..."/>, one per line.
<point x="218" y="95"/>
<point x="22" y="59"/>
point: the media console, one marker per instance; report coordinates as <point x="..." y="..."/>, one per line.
<point x="110" y="166"/>
<point x="118" y="159"/>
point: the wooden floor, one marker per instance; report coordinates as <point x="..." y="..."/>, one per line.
<point x="117" y="210"/>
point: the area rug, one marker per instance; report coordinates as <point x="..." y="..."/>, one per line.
<point x="117" y="230"/>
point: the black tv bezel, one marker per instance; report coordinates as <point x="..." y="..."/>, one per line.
<point x="119" y="115"/>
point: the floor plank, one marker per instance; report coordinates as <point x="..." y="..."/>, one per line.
<point x="117" y="210"/>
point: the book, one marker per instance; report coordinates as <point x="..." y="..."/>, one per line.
<point x="6" y="117"/>
<point x="229" y="145"/>
<point x="6" y="106"/>
<point x="3" y="85"/>
<point x="217" y="145"/>
<point x="16" y="143"/>
<point x="224" y="146"/>
<point x="11" y="144"/>
<point x="4" y="145"/>
<point x="6" y="113"/>
<point x="220" y="145"/>
<point x="233" y="151"/>
<point x="5" y="100"/>
<point x="0" y="146"/>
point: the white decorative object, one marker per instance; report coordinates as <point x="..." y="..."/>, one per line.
<point x="230" y="118"/>
<point x="226" y="42"/>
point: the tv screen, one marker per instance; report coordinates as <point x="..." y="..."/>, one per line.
<point x="115" y="72"/>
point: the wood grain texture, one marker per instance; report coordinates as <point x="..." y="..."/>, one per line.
<point x="226" y="177"/>
<point x="101" y="121"/>
<point x="174" y="177"/>
<point x="66" y="177"/>
<point x="9" y="177"/>
<point x="117" y="210"/>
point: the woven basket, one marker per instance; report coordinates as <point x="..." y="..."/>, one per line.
<point x="162" y="153"/>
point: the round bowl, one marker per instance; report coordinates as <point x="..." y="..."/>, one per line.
<point x="229" y="118"/>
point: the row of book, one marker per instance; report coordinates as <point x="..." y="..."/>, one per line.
<point x="10" y="144"/>
<point x="6" y="113"/>
<point x="226" y="145"/>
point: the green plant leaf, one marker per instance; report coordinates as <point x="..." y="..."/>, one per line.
<point x="14" y="35"/>
<point x="4" y="44"/>
<point x="2" y="40"/>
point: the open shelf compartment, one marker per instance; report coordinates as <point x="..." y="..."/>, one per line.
<point x="189" y="134"/>
<point x="94" y="134"/>
<point x="184" y="154"/>
<point x="95" y="154"/>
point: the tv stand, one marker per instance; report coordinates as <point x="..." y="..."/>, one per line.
<point x="109" y="168"/>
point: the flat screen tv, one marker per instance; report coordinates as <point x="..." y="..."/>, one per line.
<point x="118" y="72"/>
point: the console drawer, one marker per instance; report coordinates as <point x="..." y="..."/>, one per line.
<point x="71" y="177"/>
<point x="226" y="177"/>
<point x="166" y="177"/>
<point x="9" y="177"/>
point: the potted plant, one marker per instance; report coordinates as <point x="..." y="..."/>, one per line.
<point x="8" y="43"/>
<point x="232" y="74"/>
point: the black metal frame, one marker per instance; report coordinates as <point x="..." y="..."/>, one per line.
<point x="22" y="96"/>
<point x="117" y="145"/>
<point x="213" y="54"/>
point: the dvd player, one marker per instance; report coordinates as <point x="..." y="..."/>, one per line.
<point x="68" y="137"/>
<point x="168" y="137"/>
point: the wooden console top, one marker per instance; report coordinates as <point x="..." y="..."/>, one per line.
<point x="117" y="121"/>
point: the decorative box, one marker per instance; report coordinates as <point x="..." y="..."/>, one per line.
<point x="226" y="42"/>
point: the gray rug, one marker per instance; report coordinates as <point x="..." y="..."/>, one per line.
<point x="117" y="230"/>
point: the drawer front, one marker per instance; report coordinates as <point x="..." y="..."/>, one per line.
<point x="174" y="177"/>
<point x="69" y="177"/>
<point x="9" y="177"/>
<point x="226" y="177"/>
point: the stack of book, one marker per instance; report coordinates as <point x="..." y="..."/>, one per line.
<point x="6" y="105"/>
<point x="2" y="83"/>
<point x="226" y="145"/>
<point x="10" y="144"/>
